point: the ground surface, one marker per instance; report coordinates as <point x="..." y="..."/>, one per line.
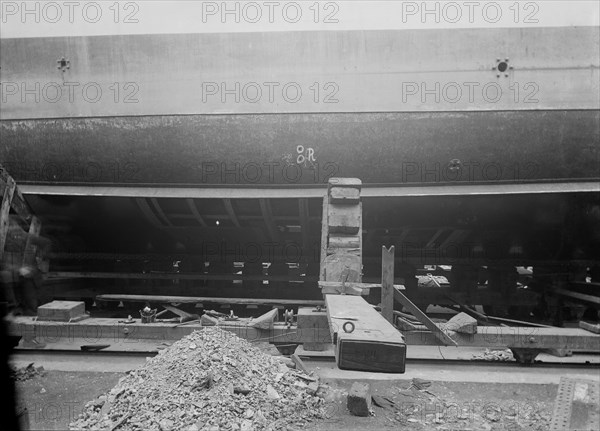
<point x="54" y="399"/>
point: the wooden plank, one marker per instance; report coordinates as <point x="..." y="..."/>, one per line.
<point x="351" y="288"/>
<point x="196" y="299"/>
<point x="516" y="336"/>
<point x="579" y="296"/>
<point x="324" y="238"/>
<point x="300" y="364"/>
<point x="230" y="212"/>
<point x="175" y="276"/>
<point x="7" y="197"/>
<point x="387" y="283"/>
<point x="402" y="190"/>
<point x="374" y="344"/>
<point x="595" y="328"/>
<point x="439" y="334"/>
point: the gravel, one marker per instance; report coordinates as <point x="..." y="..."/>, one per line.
<point x="209" y="380"/>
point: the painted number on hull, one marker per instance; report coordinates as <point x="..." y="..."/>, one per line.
<point x="305" y="156"/>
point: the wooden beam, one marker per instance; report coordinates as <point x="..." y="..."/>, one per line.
<point x="230" y="212"/>
<point x="196" y="299"/>
<point x="434" y="238"/>
<point x="31" y="247"/>
<point x="174" y="276"/>
<point x="265" y="209"/>
<point x="304" y="223"/>
<point x="368" y="342"/>
<point x="7" y="196"/>
<point x="457" y="235"/>
<point x="192" y="205"/>
<point x="579" y="296"/>
<point x="387" y="283"/>
<point x="439" y="334"/>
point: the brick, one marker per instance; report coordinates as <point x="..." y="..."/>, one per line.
<point x="61" y="311"/>
<point x="359" y="399"/>
<point x="344" y="195"/>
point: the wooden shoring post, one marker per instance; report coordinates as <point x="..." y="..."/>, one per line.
<point x="324" y="237"/>
<point x="30" y="247"/>
<point x="7" y="197"/>
<point x="387" y="283"/>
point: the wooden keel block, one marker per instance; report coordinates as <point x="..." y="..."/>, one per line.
<point x="344" y="195"/>
<point x="61" y="311"/>
<point x="343" y="267"/>
<point x="344" y="241"/>
<point x="365" y="340"/>
<point x="344" y="219"/>
<point x="359" y="399"/>
<point x="345" y="182"/>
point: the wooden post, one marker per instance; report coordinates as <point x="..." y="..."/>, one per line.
<point x="387" y="283"/>
<point x="30" y="247"/>
<point x="7" y="197"/>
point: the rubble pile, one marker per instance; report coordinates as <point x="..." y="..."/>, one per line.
<point x="209" y="380"/>
<point x="495" y="355"/>
<point x="26" y="373"/>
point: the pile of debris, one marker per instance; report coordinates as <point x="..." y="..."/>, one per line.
<point x="26" y="373"/>
<point x="209" y="380"/>
<point x="495" y="355"/>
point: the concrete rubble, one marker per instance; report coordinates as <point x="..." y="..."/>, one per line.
<point x="26" y="373"/>
<point x="209" y="380"/>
